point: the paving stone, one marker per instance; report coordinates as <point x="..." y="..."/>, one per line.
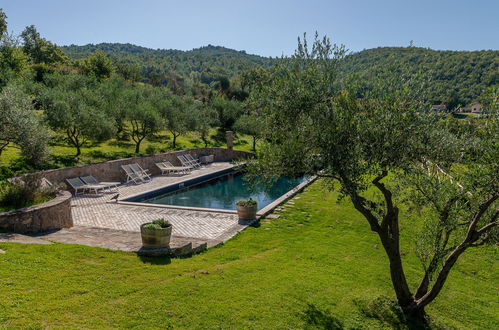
<point x="273" y="216"/>
<point x="2" y="251"/>
<point x="200" y="228"/>
<point x="19" y="238"/>
<point x="96" y="211"/>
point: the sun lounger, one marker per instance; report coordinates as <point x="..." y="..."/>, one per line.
<point x="167" y="167"/>
<point x="131" y="175"/>
<point x="78" y="185"/>
<point x="193" y="160"/>
<point x="89" y="179"/>
<point x="185" y="162"/>
<point x="144" y="174"/>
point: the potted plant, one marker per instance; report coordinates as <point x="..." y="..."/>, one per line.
<point x="246" y="209"/>
<point x="156" y="234"/>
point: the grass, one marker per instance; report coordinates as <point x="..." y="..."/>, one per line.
<point x="318" y="265"/>
<point x="62" y="155"/>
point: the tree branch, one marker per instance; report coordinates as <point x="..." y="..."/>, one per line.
<point x="478" y="215"/>
<point x="472" y="236"/>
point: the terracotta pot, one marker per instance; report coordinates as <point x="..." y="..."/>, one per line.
<point x="155" y="238"/>
<point x="246" y="212"/>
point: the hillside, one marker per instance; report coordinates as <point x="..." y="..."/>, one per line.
<point x="205" y="64"/>
<point x="454" y="77"/>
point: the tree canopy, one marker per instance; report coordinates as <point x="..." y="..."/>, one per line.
<point x="376" y="149"/>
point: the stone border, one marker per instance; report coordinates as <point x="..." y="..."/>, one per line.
<point x="260" y="213"/>
<point x="54" y="214"/>
<point x="267" y="209"/>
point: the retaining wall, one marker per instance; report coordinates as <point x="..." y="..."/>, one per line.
<point x="54" y="214"/>
<point x="112" y="171"/>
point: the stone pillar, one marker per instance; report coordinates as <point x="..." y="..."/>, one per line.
<point x="230" y="139"/>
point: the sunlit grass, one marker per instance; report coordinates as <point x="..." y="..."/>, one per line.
<point x="61" y="154"/>
<point x="318" y="256"/>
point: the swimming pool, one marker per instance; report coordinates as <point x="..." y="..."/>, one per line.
<point x="219" y="192"/>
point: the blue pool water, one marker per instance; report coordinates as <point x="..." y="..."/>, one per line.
<point x="223" y="192"/>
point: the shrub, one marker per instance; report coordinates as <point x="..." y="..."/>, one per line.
<point x="150" y="149"/>
<point x="25" y="192"/>
<point x="246" y="203"/>
<point x="162" y="223"/>
<point x="152" y="226"/>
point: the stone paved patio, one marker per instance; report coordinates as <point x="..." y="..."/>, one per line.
<point x="99" y="212"/>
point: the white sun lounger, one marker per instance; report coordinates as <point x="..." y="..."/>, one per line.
<point x="144" y="174"/>
<point x="131" y="175"/>
<point x="78" y="185"/>
<point x="185" y="162"/>
<point x="193" y="160"/>
<point x="167" y="167"/>
<point x="89" y="179"/>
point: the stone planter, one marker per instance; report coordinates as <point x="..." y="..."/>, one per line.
<point x="246" y="212"/>
<point x="155" y="238"/>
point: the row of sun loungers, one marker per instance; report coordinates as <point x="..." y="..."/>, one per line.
<point x="135" y="173"/>
<point x="90" y="184"/>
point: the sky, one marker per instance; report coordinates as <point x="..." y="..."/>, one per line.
<point x="267" y="28"/>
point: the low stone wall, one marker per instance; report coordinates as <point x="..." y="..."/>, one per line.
<point x="54" y="214"/>
<point x="112" y="171"/>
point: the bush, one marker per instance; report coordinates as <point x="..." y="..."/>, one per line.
<point x="150" y="149"/>
<point x="162" y="223"/>
<point x="26" y="192"/>
<point x="246" y="203"/>
<point x="151" y="226"/>
<point x="158" y="224"/>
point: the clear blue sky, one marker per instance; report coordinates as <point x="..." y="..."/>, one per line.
<point x="268" y="28"/>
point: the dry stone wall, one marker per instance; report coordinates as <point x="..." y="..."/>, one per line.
<point x="112" y="171"/>
<point x="54" y="214"/>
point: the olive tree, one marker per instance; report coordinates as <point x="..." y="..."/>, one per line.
<point x="144" y="118"/>
<point x="21" y="126"/>
<point x="113" y="93"/>
<point x="382" y="149"/>
<point x="73" y="107"/>
<point x="179" y="114"/>
<point x="13" y="61"/>
<point x="205" y="119"/>
<point x="250" y="124"/>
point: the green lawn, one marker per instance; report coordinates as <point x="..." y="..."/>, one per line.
<point x="62" y="155"/>
<point x="318" y="264"/>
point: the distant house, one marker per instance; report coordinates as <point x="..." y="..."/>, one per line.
<point x="439" y="107"/>
<point x="475" y="108"/>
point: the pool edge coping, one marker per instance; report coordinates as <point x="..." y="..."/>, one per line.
<point x="260" y="213"/>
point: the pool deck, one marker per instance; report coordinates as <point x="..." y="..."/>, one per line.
<point x="102" y="222"/>
<point x="209" y="226"/>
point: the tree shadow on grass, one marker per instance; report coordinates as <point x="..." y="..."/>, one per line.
<point x="160" y="261"/>
<point x="64" y="160"/>
<point x="316" y="318"/>
<point x="121" y="144"/>
<point x="389" y="312"/>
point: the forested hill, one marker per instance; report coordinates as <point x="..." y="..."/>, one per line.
<point x="205" y="64"/>
<point x="455" y="77"/>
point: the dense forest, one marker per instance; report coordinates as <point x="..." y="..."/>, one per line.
<point x="453" y="77"/>
<point x="179" y="69"/>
